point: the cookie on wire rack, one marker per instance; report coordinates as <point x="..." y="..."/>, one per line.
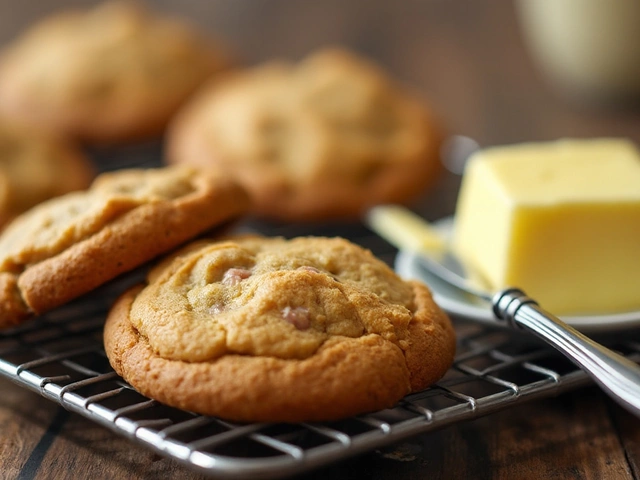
<point x="268" y="329"/>
<point x="69" y="245"/>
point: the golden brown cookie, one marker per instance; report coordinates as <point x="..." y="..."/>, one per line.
<point x="35" y="167"/>
<point x="321" y="140"/>
<point x="71" y="244"/>
<point x="112" y="73"/>
<point x="267" y="329"/>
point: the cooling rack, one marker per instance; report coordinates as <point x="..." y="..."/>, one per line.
<point x="60" y="356"/>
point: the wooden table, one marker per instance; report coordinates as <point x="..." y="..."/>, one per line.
<point x="468" y="60"/>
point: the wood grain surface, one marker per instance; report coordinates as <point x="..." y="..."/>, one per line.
<point x="468" y="61"/>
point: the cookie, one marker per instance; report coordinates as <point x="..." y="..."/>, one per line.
<point x="323" y="139"/>
<point x="113" y="73"/>
<point x="71" y="244"/>
<point x="35" y="167"/>
<point x="268" y="329"/>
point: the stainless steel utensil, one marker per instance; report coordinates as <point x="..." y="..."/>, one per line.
<point x="618" y="376"/>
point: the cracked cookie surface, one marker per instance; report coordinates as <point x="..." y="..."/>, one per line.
<point x="268" y="329"/>
<point x="322" y="139"/>
<point x="71" y="244"/>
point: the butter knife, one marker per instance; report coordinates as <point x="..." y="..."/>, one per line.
<point x="618" y="376"/>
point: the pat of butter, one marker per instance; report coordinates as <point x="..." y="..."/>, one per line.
<point x="561" y="220"/>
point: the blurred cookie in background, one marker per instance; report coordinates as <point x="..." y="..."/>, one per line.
<point x="35" y="167"/>
<point x="110" y="74"/>
<point x="320" y="140"/>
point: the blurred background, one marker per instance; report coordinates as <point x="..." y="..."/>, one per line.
<point x="468" y="59"/>
<point x="472" y="62"/>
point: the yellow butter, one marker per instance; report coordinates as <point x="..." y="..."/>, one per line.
<point x="561" y="220"/>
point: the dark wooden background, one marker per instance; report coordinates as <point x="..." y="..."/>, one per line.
<point x="468" y="61"/>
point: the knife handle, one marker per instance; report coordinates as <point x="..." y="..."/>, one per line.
<point x="618" y="376"/>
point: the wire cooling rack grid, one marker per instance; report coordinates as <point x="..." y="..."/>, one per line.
<point x="60" y="356"/>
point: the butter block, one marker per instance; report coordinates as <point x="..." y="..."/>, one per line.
<point x="561" y="220"/>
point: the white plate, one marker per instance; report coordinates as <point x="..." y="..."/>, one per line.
<point x="460" y="304"/>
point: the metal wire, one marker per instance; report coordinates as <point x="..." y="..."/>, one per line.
<point x="60" y="356"/>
